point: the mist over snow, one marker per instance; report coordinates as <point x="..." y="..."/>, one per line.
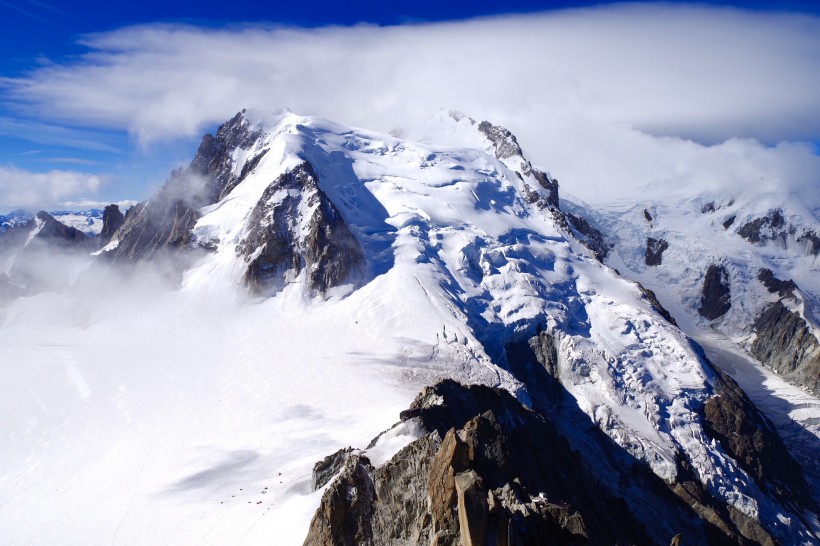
<point x="608" y="99"/>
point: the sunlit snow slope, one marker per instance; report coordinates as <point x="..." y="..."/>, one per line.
<point x="747" y="232"/>
<point x="136" y="412"/>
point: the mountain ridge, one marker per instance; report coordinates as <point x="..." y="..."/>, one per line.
<point x="464" y="266"/>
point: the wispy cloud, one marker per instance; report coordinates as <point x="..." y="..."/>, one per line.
<point x="56" y="135"/>
<point x="44" y="6"/>
<point x="701" y="72"/>
<point x="21" y="188"/>
<point x="82" y="204"/>
<point x="22" y="11"/>
<point x="592" y="93"/>
<point x="70" y="161"/>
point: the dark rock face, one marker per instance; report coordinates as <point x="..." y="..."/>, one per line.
<point x="752" y="440"/>
<point x="715" y="298"/>
<point x="58" y="234"/>
<point x="491" y="471"/>
<point x="727" y="223"/>
<point x="589" y="235"/>
<point x="646" y="215"/>
<point x="775" y="228"/>
<point x="506" y="147"/>
<point x="344" y="517"/>
<point x="501" y="474"/>
<point x="751" y="230"/>
<point x="811" y="241"/>
<point x="656" y="304"/>
<point x="654" y="251"/>
<point x="763" y="456"/>
<point x="164" y="223"/>
<point x="112" y="220"/>
<point x="708" y="207"/>
<point x="775" y="285"/>
<point x="785" y="343"/>
<point x="280" y="243"/>
<point x="324" y="470"/>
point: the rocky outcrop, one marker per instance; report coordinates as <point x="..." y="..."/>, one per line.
<point x="752" y="440"/>
<point x="727" y="223"/>
<point x="161" y="225"/>
<point x="785" y="343"/>
<point x="729" y="417"/>
<point x="590" y="236"/>
<point x="112" y="220"/>
<point x="654" y="251"/>
<point x="647" y="216"/>
<point x="164" y="223"/>
<point x="327" y="468"/>
<point x="488" y="472"/>
<point x="764" y="228"/>
<point x="811" y="241"/>
<point x="54" y="233"/>
<point x="294" y="228"/>
<point x="650" y="296"/>
<point x="775" y="285"/>
<point x="506" y="148"/>
<point x="715" y="299"/>
<point x="344" y="517"/>
<point x="774" y="228"/>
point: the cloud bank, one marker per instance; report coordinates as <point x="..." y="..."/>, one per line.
<point x="23" y="189"/>
<point x="591" y="92"/>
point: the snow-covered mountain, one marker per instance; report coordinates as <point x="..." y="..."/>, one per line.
<point x="46" y="251"/>
<point x="327" y="275"/>
<point x="88" y="221"/>
<point x="739" y="272"/>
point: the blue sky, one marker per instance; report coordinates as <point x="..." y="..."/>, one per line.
<point x="80" y="95"/>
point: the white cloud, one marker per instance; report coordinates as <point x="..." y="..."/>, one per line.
<point x="584" y="89"/>
<point x="83" y="204"/>
<point x="703" y="72"/>
<point x="25" y="189"/>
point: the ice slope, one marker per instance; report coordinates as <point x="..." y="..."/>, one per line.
<point x="194" y="415"/>
<point x="697" y="239"/>
<point x="693" y="225"/>
<point x="464" y="230"/>
<point x="86" y="221"/>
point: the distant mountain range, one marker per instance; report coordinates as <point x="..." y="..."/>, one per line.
<point x="88" y="221"/>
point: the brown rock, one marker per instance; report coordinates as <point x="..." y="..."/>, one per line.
<point x="473" y="509"/>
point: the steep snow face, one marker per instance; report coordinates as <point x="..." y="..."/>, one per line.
<point x="755" y="240"/>
<point x="744" y="233"/>
<point x="761" y="239"/>
<point x="457" y="229"/>
<point x="463" y="254"/>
